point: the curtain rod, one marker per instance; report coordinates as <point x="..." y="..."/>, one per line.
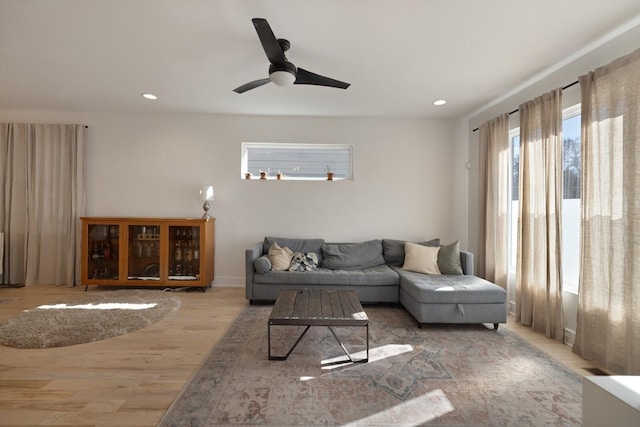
<point x="517" y="109"/>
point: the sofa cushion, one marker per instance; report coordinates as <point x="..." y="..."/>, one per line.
<point x="262" y="264"/>
<point x="449" y="259"/>
<point x="450" y="289"/>
<point x="393" y="250"/>
<point x="280" y="257"/>
<point x="380" y="275"/>
<point x="351" y="256"/>
<point x="296" y="245"/>
<point x="421" y="259"/>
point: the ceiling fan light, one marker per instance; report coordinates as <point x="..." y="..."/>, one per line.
<point x="282" y="78"/>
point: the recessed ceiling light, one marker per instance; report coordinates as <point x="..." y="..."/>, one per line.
<point x="149" y="96"/>
<point x="439" y="102"/>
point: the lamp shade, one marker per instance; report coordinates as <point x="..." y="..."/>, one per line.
<point x="206" y="193"/>
<point x="282" y="78"/>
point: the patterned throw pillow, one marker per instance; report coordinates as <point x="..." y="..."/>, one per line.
<point x="304" y="262"/>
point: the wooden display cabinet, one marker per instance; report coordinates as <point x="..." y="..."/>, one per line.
<point x="148" y="252"/>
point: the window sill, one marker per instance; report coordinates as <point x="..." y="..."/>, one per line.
<point x="571" y="290"/>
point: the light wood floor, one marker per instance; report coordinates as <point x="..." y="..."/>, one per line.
<point x="131" y="380"/>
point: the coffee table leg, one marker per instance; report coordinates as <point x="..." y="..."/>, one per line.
<point x="290" y="350"/>
<point x="365" y="360"/>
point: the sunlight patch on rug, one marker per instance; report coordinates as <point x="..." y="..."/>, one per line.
<point x="375" y="354"/>
<point x="87" y="317"/>
<point x="417" y="411"/>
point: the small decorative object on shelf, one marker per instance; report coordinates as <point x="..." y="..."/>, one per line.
<point x="329" y="174"/>
<point x="263" y="175"/>
<point x="279" y="175"/>
<point x="247" y="175"/>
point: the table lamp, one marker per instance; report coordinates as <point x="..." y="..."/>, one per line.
<point x="206" y="194"/>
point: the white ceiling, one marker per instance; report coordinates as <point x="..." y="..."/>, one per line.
<point x="398" y="55"/>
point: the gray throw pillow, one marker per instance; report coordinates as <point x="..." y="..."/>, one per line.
<point x="262" y="264"/>
<point x="449" y="259"/>
<point x="352" y="256"/>
<point x="393" y="250"/>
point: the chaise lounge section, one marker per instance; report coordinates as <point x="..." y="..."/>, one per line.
<point x="379" y="271"/>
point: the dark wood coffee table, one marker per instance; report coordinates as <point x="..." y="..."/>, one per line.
<point x="318" y="308"/>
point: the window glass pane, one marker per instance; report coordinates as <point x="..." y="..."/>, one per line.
<point x="571" y="157"/>
<point x="513" y="217"/>
<point x="515" y="162"/>
<point x="298" y="161"/>
<point x="571" y="199"/>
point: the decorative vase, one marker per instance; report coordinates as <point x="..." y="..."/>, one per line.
<point x="263" y="175"/>
<point x="329" y="176"/>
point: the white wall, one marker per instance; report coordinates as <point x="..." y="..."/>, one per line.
<point x="600" y="53"/>
<point x="152" y="165"/>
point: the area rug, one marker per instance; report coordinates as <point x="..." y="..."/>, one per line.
<point x="448" y="375"/>
<point x="91" y="316"/>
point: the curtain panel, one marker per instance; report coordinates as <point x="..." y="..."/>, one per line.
<point x="539" y="267"/>
<point x="42" y="180"/>
<point x="495" y="155"/>
<point x="608" y="329"/>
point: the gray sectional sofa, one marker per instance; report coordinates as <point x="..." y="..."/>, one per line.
<point x="374" y="270"/>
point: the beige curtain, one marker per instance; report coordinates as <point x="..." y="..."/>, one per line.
<point x="608" y="329"/>
<point x="42" y="180"/>
<point x="495" y="156"/>
<point x="539" y="268"/>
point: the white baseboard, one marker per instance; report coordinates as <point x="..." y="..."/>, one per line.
<point x="511" y="308"/>
<point x="569" y="337"/>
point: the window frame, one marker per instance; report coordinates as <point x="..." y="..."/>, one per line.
<point x="568" y="286"/>
<point x="312" y="147"/>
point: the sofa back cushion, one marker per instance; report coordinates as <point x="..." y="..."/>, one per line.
<point x="393" y="250"/>
<point x="352" y="256"/>
<point x="296" y="245"/>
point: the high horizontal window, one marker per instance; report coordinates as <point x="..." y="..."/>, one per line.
<point x="297" y="161"/>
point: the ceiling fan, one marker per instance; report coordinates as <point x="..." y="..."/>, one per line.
<point x="281" y="71"/>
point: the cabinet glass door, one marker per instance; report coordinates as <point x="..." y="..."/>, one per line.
<point x="103" y="251"/>
<point x="144" y="253"/>
<point x="184" y="253"/>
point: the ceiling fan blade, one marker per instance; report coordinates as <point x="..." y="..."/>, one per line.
<point x="305" y="77"/>
<point x="269" y="42"/>
<point x="251" y="85"/>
